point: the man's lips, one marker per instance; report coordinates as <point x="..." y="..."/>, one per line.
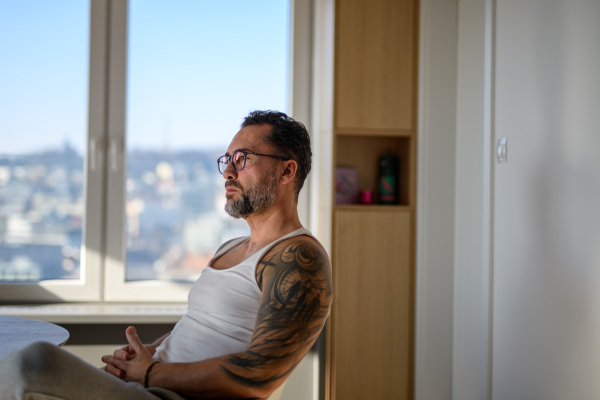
<point x="232" y="187"/>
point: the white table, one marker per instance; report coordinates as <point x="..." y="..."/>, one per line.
<point x="16" y="333"/>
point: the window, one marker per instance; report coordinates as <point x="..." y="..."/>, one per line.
<point x="113" y="115"/>
<point x="43" y="126"/>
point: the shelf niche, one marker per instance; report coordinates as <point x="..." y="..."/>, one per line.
<point x="363" y="153"/>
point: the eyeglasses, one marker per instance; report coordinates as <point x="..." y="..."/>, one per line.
<point x="238" y="159"/>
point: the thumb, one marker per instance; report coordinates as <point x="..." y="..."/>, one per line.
<point x="134" y="341"/>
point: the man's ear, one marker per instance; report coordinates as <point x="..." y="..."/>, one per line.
<point x="290" y="168"/>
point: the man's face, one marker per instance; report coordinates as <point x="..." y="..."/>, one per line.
<point x="254" y="189"/>
<point x="256" y="198"/>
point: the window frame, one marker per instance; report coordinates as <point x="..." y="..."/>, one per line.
<point x="88" y="287"/>
<point x="103" y="243"/>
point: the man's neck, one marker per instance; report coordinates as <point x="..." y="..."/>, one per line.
<point x="271" y="225"/>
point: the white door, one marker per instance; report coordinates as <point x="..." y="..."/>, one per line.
<point x="546" y="262"/>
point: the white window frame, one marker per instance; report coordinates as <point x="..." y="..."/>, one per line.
<point x="103" y="246"/>
<point x="88" y="287"/>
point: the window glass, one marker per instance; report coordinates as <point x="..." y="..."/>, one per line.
<point x="195" y="69"/>
<point x="43" y="124"/>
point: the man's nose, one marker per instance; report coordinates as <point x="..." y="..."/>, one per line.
<point x="229" y="173"/>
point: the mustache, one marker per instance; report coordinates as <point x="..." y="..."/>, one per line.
<point x="234" y="184"/>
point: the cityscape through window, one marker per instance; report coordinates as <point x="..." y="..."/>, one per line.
<point x="43" y="123"/>
<point x="194" y="70"/>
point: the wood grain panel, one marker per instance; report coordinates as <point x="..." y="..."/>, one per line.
<point x="375" y="65"/>
<point x="372" y="317"/>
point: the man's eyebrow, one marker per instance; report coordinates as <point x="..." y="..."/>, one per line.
<point x="242" y="149"/>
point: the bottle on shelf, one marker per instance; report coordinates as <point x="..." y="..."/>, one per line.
<point x="388" y="180"/>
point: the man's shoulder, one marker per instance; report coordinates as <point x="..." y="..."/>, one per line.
<point x="300" y="255"/>
<point x="304" y="245"/>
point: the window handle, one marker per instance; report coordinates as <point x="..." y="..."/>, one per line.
<point x="95" y="149"/>
<point x="115" y="148"/>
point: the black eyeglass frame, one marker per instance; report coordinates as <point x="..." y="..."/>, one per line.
<point x="245" y="153"/>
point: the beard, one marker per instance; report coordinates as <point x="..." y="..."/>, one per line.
<point x="256" y="200"/>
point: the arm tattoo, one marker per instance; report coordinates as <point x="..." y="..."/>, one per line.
<point x="293" y="311"/>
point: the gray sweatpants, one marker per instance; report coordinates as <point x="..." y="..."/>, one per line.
<point x="43" y="371"/>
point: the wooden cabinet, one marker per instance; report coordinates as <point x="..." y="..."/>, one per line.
<point x="372" y="328"/>
<point x="375" y="66"/>
<point x="371" y="338"/>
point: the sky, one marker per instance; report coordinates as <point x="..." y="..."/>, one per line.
<point x="195" y="69"/>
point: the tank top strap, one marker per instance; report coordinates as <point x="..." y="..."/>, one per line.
<point x="226" y="247"/>
<point x="257" y="256"/>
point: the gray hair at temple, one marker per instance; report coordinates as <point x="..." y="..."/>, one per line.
<point x="289" y="137"/>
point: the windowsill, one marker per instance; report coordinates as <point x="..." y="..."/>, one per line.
<point x="99" y="313"/>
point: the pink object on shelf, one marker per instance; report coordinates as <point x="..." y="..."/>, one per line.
<point x="366" y="197"/>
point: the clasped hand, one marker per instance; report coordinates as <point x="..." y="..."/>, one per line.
<point x="130" y="362"/>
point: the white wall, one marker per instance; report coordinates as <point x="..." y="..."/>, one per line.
<point x="453" y="249"/>
<point x="472" y="212"/>
<point x="435" y="197"/>
<point x="546" y="325"/>
<point x="471" y="255"/>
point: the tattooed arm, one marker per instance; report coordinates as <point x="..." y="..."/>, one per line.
<point x="295" y="278"/>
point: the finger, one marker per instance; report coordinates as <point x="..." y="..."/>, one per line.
<point x="134" y="341"/>
<point x="128" y="349"/>
<point x="111" y="369"/>
<point x="122" y="354"/>
<point x="114" y="366"/>
<point x="114" y="363"/>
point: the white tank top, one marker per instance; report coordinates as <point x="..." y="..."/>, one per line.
<point x="222" y="309"/>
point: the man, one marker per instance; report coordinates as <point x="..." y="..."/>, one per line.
<point x="255" y="311"/>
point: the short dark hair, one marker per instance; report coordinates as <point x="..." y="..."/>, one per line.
<point x="290" y="138"/>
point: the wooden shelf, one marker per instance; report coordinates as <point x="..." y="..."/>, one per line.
<point x="371" y="332"/>
<point x="363" y="152"/>
<point x="374" y="132"/>
<point x="372" y="207"/>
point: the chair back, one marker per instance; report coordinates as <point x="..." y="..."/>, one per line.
<point x="276" y="395"/>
